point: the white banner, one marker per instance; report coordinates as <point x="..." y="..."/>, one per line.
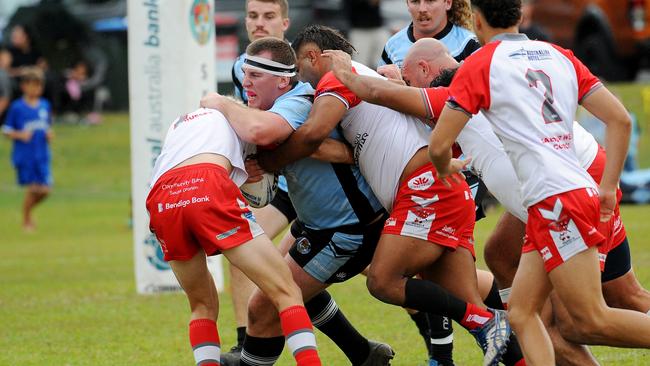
<point x="171" y="65"/>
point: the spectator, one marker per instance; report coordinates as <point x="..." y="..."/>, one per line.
<point x="23" y="52"/>
<point x="28" y="125"/>
<point x="367" y="33"/>
<point x="5" y="83"/>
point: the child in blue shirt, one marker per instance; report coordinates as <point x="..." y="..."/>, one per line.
<point x="28" y="125"/>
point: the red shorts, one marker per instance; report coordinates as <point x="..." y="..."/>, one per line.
<point x="426" y="209"/>
<point x="198" y="207"/>
<point x="616" y="227"/>
<point x="563" y="225"/>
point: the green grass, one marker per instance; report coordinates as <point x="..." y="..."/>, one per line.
<point x="67" y="292"/>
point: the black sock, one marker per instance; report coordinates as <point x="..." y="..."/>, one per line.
<point x="493" y="300"/>
<point x="428" y="297"/>
<point x="421" y="321"/>
<point x="328" y="318"/>
<point x="513" y="354"/>
<point x="261" y="349"/>
<point x="241" y="334"/>
<point x="442" y="345"/>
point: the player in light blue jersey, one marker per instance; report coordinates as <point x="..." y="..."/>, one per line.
<point x="339" y="219"/>
<point x="445" y="20"/>
<point x="264" y="18"/>
<point x="28" y="125"/>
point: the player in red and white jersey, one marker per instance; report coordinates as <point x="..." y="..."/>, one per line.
<point x="529" y="92"/>
<point x="196" y="209"/>
<point x="390" y="150"/>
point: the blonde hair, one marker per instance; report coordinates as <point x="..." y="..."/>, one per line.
<point x="460" y="14"/>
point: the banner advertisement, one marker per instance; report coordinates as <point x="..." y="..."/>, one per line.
<point x="171" y="65"/>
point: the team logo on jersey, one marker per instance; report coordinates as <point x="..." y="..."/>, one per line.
<point x="303" y="246"/>
<point x="421" y="182"/>
<point x="201" y="21"/>
<point x="42" y="114"/>
<point x="154" y="253"/>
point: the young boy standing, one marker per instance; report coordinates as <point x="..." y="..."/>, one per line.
<point x="28" y="125"/>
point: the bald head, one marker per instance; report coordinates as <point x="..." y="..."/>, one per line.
<point x="424" y="62"/>
<point x="431" y="51"/>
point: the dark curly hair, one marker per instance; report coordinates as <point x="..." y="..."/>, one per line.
<point x="325" y="38"/>
<point x="444" y="78"/>
<point x="499" y="13"/>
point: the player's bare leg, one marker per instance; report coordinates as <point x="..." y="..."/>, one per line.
<point x="557" y="320"/>
<point x="578" y="286"/>
<point x="34" y="194"/>
<point x="263" y="264"/>
<point x="503" y="249"/>
<point x="530" y="289"/>
<point x="390" y="280"/>
<point x="195" y="279"/>
<point x="272" y="222"/>
<point x="626" y="292"/>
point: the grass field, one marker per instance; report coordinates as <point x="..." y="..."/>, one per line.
<point x="67" y="292"/>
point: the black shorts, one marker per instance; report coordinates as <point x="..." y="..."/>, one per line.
<point x="335" y="255"/>
<point x="282" y="202"/>
<point x="479" y="191"/>
<point x="618" y="262"/>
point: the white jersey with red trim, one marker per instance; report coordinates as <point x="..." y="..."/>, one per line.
<point x="489" y="160"/>
<point x="529" y="92"/>
<point x="384" y="140"/>
<point x="199" y="132"/>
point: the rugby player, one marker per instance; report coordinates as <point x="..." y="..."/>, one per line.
<point x="339" y="219"/>
<point x="569" y="215"/>
<point x="427" y="218"/>
<point x="196" y="209"/>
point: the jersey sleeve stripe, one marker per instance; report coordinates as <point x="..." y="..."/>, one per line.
<point x="337" y="96"/>
<point x="591" y="91"/>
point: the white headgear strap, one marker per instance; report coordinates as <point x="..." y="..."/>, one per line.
<point x="269" y="66"/>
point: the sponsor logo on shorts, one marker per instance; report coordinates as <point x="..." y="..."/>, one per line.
<point x="552" y="215"/>
<point x="227" y="234"/>
<point x="160" y="207"/>
<point x="448" y="232"/>
<point x="341" y="275"/>
<point x="303" y="246"/>
<point x="421" y="182"/>
<point x="546" y="254"/>
<point x="242" y="204"/>
<point x="390" y="222"/>
<point x="184" y="203"/>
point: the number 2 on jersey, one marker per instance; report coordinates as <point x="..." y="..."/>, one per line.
<point x="548" y="111"/>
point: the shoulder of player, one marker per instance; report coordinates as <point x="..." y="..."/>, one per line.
<point x="397" y="40"/>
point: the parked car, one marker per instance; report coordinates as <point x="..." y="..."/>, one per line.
<point x="611" y="37"/>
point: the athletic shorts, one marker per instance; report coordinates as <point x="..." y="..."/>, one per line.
<point x="34" y="172"/>
<point x="596" y="170"/>
<point x="563" y="225"/>
<point x="282" y="203"/>
<point x="479" y="192"/>
<point x="426" y="209"/>
<point x="335" y="255"/>
<point x="198" y="207"/>
<point x="618" y="263"/>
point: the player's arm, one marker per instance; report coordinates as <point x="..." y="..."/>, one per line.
<point x="374" y="90"/>
<point x="607" y="108"/>
<point x="251" y="125"/>
<point x="334" y="151"/>
<point x="451" y="122"/>
<point x="11" y="129"/>
<point x="326" y="113"/>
